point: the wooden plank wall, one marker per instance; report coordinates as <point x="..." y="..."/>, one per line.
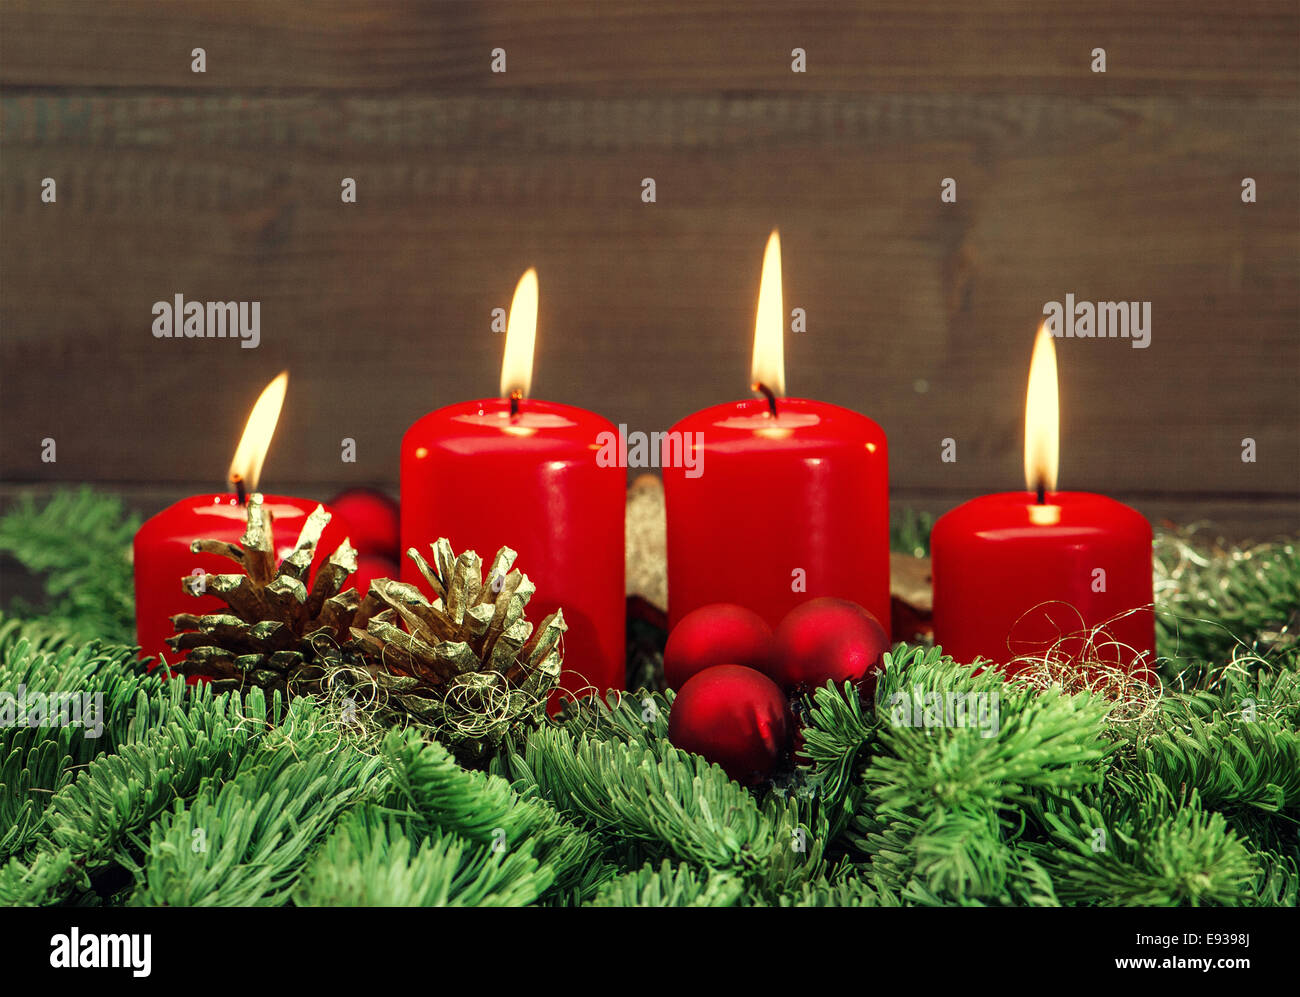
<point x="225" y="185"/>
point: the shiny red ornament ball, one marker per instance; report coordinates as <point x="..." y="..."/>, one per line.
<point x="733" y="716"/>
<point x="828" y="640"/>
<point x="370" y="567"/>
<point x="721" y="633"/>
<point x="372" y="521"/>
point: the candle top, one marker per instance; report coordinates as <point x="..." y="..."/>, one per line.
<point x="487" y="424"/>
<point x="226" y="505"/>
<point x="1019" y="514"/>
<point x="220" y="515"/>
<point x="799" y="424"/>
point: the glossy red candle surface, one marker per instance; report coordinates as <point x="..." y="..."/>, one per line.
<point x="163" y="559"/>
<point x="783" y="509"/>
<point x="1012" y="578"/>
<point x="485" y="479"/>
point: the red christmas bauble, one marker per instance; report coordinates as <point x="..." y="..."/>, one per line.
<point x="372" y="521"/>
<point x="733" y="716"/>
<point x="827" y="640"/>
<point x="370" y="567"/>
<point x="721" y="633"/>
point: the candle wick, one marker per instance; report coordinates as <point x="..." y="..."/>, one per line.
<point x="1042" y="494"/>
<point x="766" y="392"/>
<point x="515" y="397"/>
<point x="238" y="481"/>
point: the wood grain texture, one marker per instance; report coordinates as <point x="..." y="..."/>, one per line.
<point x="920" y="313"/>
<point x="1160" y="47"/>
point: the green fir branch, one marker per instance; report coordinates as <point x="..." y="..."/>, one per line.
<point x="484" y="809"/>
<point x="129" y="699"/>
<point x="48" y="878"/>
<point x="669" y="885"/>
<point x="629" y="718"/>
<point x="244" y="843"/>
<point x="39" y="635"/>
<point x="1213" y="602"/>
<point x="673" y="805"/>
<point x="59" y="708"/>
<point x="93" y="700"/>
<point x="835" y="739"/>
<point x="946" y="856"/>
<point x="80" y="542"/>
<point x="844" y="890"/>
<point x="1134" y="843"/>
<point x="1229" y="761"/>
<point x="942" y="788"/>
<point x="1042" y="741"/>
<point x="94" y="821"/>
<point x="371" y="859"/>
<point x="1278" y="882"/>
<point x="909" y="671"/>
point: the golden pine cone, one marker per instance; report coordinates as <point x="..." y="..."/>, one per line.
<point x="469" y="665"/>
<point x="276" y="629"/>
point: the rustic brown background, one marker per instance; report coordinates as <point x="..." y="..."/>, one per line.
<point x="226" y="186"/>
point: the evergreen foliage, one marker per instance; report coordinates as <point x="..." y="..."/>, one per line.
<point x="1035" y="798"/>
<point x="481" y="808"/>
<point x="243" y="842"/>
<point x="374" y="860"/>
<point x="680" y="806"/>
<point x="1212" y="604"/>
<point x="671" y="886"/>
<point x="1230" y="762"/>
<point x="80" y="542"/>
<point x="843" y="890"/>
<point x="1143" y="847"/>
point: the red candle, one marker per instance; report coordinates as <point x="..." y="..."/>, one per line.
<point x="521" y="473"/>
<point x="1023" y="574"/>
<point x="779" y="500"/>
<point x="162" y="557"/>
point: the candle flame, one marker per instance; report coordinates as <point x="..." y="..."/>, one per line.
<point x="521" y="333"/>
<point x="1042" y="416"/>
<point x="768" y="368"/>
<point x="246" y="466"/>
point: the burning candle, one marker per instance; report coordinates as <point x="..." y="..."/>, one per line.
<point x="1020" y="574"/>
<point x="784" y="499"/>
<point x="522" y="473"/>
<point x="166" y="571"/>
